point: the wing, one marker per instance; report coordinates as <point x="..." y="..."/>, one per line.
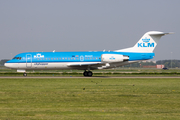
<point x="86" y="65"/>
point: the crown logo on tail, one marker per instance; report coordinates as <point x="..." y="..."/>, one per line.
<point x="146" y="39"/>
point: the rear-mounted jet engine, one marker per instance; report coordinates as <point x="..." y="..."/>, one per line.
<point x="113" y="58"/>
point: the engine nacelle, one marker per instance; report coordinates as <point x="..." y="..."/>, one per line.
<point x="113" y="58"/>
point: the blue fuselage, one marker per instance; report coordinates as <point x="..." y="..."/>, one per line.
<point x="48" y="57"/>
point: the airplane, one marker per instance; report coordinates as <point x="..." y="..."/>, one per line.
<point x="87" y="61"/>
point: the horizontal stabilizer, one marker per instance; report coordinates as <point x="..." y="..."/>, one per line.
<point x="161" y="33"/>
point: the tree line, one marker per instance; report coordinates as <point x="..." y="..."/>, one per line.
<point x="3" y="61"/>
<point x="170" y="63"/>
<point x="166" y="63"/>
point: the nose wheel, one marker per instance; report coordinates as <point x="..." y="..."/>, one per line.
<point x="87" y="73"/>
<point x="24" y="74"/>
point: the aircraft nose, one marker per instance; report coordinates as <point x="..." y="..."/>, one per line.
<point x="6" y="65"/>
<point x="11" y="65"/>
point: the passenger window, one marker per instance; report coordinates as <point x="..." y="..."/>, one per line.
<point x="77" y="58"/>
<point x="46" y="58"/>
<point x="68" y="58"/>
<point x="63" y="58"/>
<point x="51" y="58"/>
<point x="60" y="58"/>
<point x="41" y="59"/>
<point x="38" y="59"/>
<point x="54" y="58"/>
<point x="57" y="58"/>
<point x="74" y="58"/>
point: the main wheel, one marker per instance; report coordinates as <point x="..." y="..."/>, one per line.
<point x="24" y="74"/>
<point x="90" y="73"/>
<point x="85" y="73"/>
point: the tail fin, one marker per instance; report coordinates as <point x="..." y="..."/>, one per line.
<point x="147" y="43"/>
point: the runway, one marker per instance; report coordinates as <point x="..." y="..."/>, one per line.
<point x="90" y="77"/>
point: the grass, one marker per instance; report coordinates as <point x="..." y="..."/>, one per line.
<point x="90" y="98"/>
<point x="106" y="72"/>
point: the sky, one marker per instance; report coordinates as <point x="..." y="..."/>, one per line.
<point x="87" y="25"/>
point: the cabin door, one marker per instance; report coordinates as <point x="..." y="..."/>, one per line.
<point x="28" y="60"/>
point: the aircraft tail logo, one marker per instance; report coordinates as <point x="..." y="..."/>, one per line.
<point x="145" y="43"/>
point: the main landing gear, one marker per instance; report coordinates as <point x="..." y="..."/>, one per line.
<point x="87" y="73"/>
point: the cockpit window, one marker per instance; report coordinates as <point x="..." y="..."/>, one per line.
<point x="18" y="58"/>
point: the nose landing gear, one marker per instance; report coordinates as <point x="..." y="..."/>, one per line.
<point x="87" y="73"/>
<point x="24" y="74"/>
